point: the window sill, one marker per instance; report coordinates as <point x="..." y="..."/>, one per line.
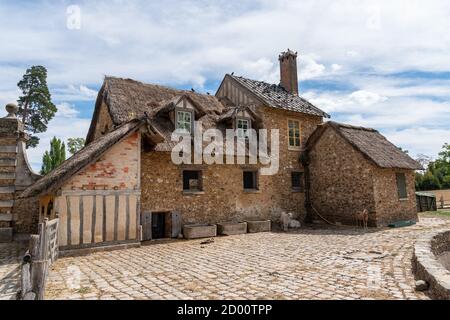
<point x="252" y="191"/>
<point x="403" y="199"/>
<point x="297" y="191"/>
<point x="191" y="193"/>
<point x="296" y="149"/>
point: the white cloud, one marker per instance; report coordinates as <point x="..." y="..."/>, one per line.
<point x="366" y="98"/>
<point x="309" y="68"/>
<point x="66" y="110"/>
<point x="420" y="140"/>
<point x="194" y="43"/>
<point x="336" y="67"/>
<point x="74" y="93"/>
<point x="262" y="69"/>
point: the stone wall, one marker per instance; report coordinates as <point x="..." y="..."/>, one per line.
<point x="341" y="180"/>
<point x="15" y="176"/>
<point x="344" y="182"/>
<point x="389" y="208"/>
<point x="223" y="198"/>
<point x="427" y="267"/>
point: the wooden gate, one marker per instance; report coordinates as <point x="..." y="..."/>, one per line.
<point x="42" y="253"/>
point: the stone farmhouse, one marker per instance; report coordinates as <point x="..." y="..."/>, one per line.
<point x="123" y="187"/>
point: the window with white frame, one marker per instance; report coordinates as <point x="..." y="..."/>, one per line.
<point x="184" y="121"/>
<point x="294" y="134"/>
<point x="242" y="128"/>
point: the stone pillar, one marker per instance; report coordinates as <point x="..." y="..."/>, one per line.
<point x="15" y="176"/>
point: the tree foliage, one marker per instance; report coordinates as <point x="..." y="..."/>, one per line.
<point x="53" y="158"/>
<point x="35" y="106"/>
<point x="437" y="174"/>
<point x="75" y="144"/>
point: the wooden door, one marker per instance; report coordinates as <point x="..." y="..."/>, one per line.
<point x="146" y="226"/>
<point x="176" y="224"/>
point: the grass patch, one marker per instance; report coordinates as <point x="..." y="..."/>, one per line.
<point x="84" y="290"/>
<point x="440" y="212"/>
<point x="444" y="213"/>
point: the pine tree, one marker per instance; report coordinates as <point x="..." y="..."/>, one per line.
<point x="53" y="158"/>
<point x="35" y="105"/>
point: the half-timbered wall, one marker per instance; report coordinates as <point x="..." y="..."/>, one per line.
<point x="97" y="217"/>
<point x="100" y="204"/>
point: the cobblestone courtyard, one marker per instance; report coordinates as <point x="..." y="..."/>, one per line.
<point x="10" y="257"/>
<point x="308" y="264"/>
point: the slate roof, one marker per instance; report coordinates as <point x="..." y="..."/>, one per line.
<point x="277" y="97"/>
<point x="372" y="144"/>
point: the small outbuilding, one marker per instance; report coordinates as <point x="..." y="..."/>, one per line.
<point x="351" y="168"/>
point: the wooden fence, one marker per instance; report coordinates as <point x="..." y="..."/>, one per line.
<point x="442" y="198"/>
<point x="43" y="251"/>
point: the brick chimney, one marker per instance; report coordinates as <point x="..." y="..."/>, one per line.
<point x="288" y="71"/>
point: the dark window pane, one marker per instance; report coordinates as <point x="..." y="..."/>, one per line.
<point x="401" y="186"/>
<point x="191" y="180"/>
<point x="250" y="180"/>
<point x="297" y="181"/>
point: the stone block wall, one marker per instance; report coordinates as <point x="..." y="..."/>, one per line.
<point x="389" y="208"/>
<point x="223" y="198"/>
<point x="341" y="180"/>
<point x="427" y="267"/>
<point x="15" y="176"/>
<point x="344" y="182"/>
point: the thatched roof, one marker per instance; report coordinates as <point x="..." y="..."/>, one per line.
<point x="277" y="97"/>
<point x="89" y="154"/>
<point x="373" y="145"/>
<point x="129" y="99"/>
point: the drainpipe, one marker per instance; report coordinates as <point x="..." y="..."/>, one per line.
<point x="305" y="161"/>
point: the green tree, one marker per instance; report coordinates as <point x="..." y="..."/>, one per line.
<point x="75" y="144"/>
<point x="419" y="181"/>
<point x="35" y="105"/>
<point x="445" y="153"/>
<point x="430" y="182"/>
<point x="53" y="158"/>
<point x="437" y="175"/>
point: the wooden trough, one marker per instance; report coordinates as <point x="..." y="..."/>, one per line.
<point x="199" y="231"/>
<point x="230" y="228"/>
<point x="258" y="226"/>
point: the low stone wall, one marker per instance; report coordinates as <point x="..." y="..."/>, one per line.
<point x="427" y="267"/>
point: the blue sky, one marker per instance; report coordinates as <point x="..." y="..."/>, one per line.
<point x="381" y="64"/>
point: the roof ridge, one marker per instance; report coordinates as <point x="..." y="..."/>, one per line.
<point x="349" y="126"/>
<point x="138" y="82"/>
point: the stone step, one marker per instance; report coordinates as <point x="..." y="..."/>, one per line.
<point x="7" y="162"/>
<point x="7" y="176"/>
<point x="6" y="204"/>
<point x="6" y="217"/>
<point x="8" y="149"/>
<point x="8" y="189"/>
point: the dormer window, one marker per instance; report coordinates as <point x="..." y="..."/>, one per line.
<point x="242" y="126"/>
<point x="184" y="121"/>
